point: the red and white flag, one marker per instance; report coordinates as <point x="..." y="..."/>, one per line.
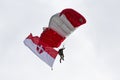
<point x="47" y="54"/>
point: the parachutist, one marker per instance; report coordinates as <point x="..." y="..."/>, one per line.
<point x="61" y="54"/>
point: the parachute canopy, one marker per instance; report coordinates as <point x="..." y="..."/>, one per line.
<point x="60" y="26"/>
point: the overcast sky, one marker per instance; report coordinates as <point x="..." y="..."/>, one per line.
<point x="92" y="51"/>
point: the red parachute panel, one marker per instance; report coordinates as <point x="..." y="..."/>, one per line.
<point x="74" y="17"/>
<point x="50" y="38"/>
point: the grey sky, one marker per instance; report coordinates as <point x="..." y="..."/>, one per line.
<point x="92" y="51"/>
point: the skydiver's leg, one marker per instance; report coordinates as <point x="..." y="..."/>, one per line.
<point x="60" y="60"/>
<point x="62" y="57"/>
